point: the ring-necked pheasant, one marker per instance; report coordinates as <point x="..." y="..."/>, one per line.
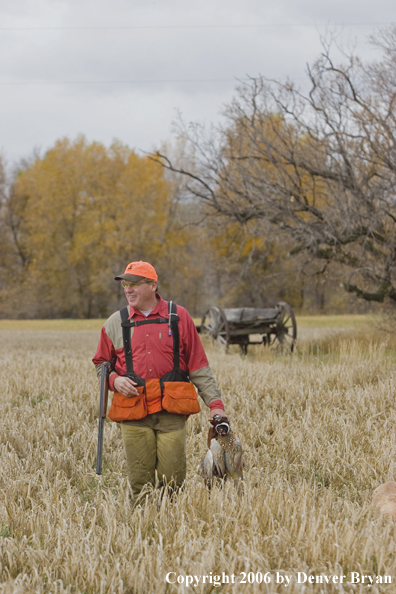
<point x="224" y="458"/>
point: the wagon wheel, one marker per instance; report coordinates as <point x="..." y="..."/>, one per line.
<point x="215" y="323"/>
<point x="286" y="327"/>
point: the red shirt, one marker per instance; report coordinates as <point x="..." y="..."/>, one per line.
<point x="152" y="347"/>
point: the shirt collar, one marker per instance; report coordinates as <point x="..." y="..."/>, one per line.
<point x="161" y="308"/>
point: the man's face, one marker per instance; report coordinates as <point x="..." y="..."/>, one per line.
<point x="141" y="295"/>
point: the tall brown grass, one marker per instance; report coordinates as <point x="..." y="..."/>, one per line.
<point x="318" y="433"/>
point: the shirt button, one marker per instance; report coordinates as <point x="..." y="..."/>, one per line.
<point x="149" y="352"/>
<point x="147" y="335"/>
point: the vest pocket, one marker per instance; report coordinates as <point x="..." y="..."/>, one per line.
<point x="180" y="398"/>
<point x="153" y="395"/>
<point x="128" y="409"/>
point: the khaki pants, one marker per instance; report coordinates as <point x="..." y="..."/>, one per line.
<point x="155" y="444"/>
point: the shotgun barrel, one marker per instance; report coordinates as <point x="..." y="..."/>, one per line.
<point x="104" y="392"/>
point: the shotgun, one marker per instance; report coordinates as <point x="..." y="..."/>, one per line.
<point x="104" y="392"/>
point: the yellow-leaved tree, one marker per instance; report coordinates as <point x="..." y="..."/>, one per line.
<point x="79" y="214"/>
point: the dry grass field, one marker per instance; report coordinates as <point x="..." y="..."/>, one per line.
<point x="318" y="429"/>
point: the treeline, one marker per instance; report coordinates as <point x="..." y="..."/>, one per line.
<point x="71" y="219"/>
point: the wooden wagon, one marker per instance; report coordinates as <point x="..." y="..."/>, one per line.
<point x="274" y="325"/>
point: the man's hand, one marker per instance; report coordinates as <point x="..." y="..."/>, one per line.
<point x="126" y="386"/>
<point x="217" y="411"/>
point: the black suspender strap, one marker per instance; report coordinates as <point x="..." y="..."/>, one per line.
<point x="174" y="327"/>
<point x="144" y="322"/>
<point x="126" y="339"/>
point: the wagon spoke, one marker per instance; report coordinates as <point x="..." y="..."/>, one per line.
<point x="214" y="323"/>
<point x="285" y="334"/>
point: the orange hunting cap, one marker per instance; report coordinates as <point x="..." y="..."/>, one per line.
<point x="135" y="271"/>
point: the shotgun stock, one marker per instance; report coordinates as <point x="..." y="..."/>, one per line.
<point x="104" y="392"/>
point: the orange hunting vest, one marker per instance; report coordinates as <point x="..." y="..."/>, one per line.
<point x="172" y="392"/>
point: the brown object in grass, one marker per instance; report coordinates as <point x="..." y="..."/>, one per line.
<point x="384" y="499"/>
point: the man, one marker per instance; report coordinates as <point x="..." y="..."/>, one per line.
<point x="155" y="351"/>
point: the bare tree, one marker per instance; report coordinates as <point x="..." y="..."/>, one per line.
<point x="320" y="166"/>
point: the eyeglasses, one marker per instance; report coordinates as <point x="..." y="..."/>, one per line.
<point x="133" y="285"/>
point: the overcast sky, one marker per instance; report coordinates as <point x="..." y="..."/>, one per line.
<point x="123" y="68"/>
